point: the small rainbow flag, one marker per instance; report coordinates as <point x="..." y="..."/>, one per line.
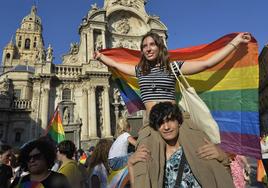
<point x="230" y="89"/>
<point x="55" y="128"/>
<point x="83" y="158"/>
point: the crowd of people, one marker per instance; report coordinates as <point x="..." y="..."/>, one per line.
<point x="169" y="152"/>
<point x="194" y="162"/>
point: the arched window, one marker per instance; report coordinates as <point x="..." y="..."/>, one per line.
<point x="66" y="94"/>
<point x="8" y="56"/>
<point x="17" y="136"/>
<point x="27" y="44"/>
<point x="19" y="44"/>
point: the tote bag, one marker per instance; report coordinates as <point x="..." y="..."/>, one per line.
<point x="199" y="112"/>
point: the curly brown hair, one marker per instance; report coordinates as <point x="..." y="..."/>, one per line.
<point x="162" y="58"/>
<point x="100" y="154"/>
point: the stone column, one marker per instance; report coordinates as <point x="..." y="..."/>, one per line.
<point x="92" y="123"/>
<point x="84" y="128"/>
<point x="103" y="39"/>
<point x="91" y="43"/>
<point x="106" y="111"/>
<point x="44" y="111"/>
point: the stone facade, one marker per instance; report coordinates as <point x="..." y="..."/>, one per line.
<point x="32" y="86"/>
<point x="263" y="89"/>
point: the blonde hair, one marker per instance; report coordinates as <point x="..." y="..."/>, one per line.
<point x="122" y="126"/>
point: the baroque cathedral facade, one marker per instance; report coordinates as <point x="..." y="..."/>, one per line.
<point x="32" y="86"/>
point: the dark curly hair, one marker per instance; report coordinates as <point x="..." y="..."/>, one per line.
<point x="45" y="147"/>
<point x="162" y="112"/>
<point x="67" y="147"/>
<point x="162" y="58"/>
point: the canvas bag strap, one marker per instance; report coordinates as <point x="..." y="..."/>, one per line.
<point x="181" y="86"/>
<point x="180" y="171"/>
<point x="187" y="85"/>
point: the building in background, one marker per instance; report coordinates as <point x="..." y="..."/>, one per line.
<point x="31" y="85"/>
<point x="263" y="90"/>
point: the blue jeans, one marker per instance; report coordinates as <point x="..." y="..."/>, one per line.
<point x="118" y="162"/>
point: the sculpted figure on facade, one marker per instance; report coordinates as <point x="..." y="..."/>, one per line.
<point x="4" y="86"/>
<point x="66" y="115"/>
<point x="128" y="3"/>
<point x="49" y="56"/>
<point x="122" y="26"/>
<point x="74" y="47"/>
<point x="94" y="6"/>
<point x="126" y="43"/>
<point x="98" y="43"/>
<point x="93" y="9"/>
<point x="117" y="96"/>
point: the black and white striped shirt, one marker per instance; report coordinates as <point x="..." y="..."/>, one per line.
<point x="158" y="84"/>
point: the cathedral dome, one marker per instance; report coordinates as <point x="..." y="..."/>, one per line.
<point x="32" y="17"/>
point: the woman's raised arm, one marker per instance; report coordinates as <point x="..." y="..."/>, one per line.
<point x="125" y="68"/>
<point x="193" y="67"/>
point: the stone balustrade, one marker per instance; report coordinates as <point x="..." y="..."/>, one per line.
<point x="22" y="104"/>
<point x="68" y="70"/>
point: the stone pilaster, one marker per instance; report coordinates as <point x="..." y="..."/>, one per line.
<point x="103" y="39"/>
<point x="106" y="111"/>
<point x="92" y="131"/>
<point x="85" y="127"/>
<point x="91" y="44"/>
<point x="44" y="111"/>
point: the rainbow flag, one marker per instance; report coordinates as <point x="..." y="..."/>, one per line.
<point x="230" y="89"/>
<point x="83" y="158"/>
<point x="55" y="128"/>
<point x="118" y="178"/>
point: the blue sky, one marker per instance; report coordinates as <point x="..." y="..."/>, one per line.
<point x="189" y="22"/>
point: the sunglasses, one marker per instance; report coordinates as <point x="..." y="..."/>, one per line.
<point x="35" y="157"/>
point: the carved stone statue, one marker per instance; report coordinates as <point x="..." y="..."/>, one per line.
<point x="74" y="47"/>
<point x="40" y="56"/>
<point x="94" y="6"/>
<point x="117" y="95"/>
<point x="98" y="43"/>
<point x="49" y="56"/>
<point x="4" y="86"/>
<point x="66" y="115"/>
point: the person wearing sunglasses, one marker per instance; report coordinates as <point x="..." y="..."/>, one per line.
<point x="37" y="157"/>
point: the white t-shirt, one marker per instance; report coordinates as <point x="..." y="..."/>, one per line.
<point x="264" y="149"/>
<point x="120" y="146"/>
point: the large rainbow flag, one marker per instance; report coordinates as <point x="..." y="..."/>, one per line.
<point x="230" y="89"/>
<point x="55" y="128"/>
